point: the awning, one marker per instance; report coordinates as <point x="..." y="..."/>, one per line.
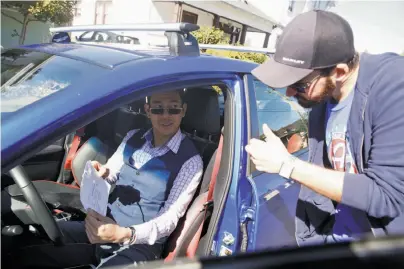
<point x="236" y="11"/>
<point x="250" y="9"/>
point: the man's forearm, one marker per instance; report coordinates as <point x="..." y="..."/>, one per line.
<point x="324" y="181"/>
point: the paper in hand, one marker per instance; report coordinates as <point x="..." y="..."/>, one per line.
<point x="94" y="190"/>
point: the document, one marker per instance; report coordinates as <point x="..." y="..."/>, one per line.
<point x="94" y="190"/>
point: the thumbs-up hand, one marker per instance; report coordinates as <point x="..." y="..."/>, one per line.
<point x="267" y="156"/>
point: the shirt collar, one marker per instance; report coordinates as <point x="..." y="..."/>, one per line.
<point x="173" y="144"/>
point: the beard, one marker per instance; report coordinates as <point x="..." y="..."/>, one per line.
<point x="325" y="93"/>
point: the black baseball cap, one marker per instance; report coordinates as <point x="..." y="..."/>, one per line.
<point x="312" y="40"/>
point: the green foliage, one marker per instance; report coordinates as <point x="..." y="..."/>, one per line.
<point x="58" y="12"/>
<point x="215" y="36"/>
<point x="244" y="56"/>
<point x="210" y="35"/>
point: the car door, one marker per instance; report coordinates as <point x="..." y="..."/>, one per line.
<point x="275" y="199"/>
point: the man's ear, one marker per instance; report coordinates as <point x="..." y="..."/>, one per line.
<point x="147" y="110"/>
<point x="341" y="72"/>
<point x="184" y="109"/>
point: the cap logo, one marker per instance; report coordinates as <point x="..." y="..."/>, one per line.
<point x="293" y="60"/>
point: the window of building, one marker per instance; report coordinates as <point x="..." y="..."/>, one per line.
<point x="291" y="5"/>
<point x="231" y="32"/>
<point x="102" y="9"/>
<point x="189" y="17"/>
<point x="77" y="11"/>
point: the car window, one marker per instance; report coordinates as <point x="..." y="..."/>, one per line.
<point x="27" y="76"/>
<point x="286" y="118"/>
<point x="100" y="37"/>
<point x="87" y="36"/>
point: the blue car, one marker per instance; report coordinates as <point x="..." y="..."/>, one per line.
<point x="65" y="103"/>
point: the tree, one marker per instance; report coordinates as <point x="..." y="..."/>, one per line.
<point x="58" y="12"/>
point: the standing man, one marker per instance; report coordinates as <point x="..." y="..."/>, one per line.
<point x="353" y="183"/>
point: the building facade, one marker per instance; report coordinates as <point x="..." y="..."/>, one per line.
<point x="242" y="22"/>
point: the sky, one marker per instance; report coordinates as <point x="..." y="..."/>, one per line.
<point x="378" y="26"/>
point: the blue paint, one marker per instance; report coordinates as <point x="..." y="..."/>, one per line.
<point x="230" y="219"/>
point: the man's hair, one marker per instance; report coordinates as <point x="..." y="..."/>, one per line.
<point x="179" y="91"/>
<point x="352" y="64"/>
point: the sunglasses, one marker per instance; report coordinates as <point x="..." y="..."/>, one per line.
<point x="301" y="87"/>
<point x="170" y="111"/>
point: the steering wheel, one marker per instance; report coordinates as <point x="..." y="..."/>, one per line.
<point x="41" y="211"/>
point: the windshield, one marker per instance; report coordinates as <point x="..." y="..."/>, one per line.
<point x="28" y="76"/>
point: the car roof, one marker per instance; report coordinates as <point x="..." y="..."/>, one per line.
<point x="111" y="56"/>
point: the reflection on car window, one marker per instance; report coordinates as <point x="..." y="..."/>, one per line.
<point x="27" y="76"/>
<point x="87" y="36"/>
<point x="283" y="115"/>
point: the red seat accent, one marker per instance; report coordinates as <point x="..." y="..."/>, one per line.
<point x="295" y="143"/>
<point x="195" y="214"/>
<point x="73" y="149"/>
<point x="191" y="250"/>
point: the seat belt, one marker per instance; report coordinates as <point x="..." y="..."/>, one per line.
<point x="215" y="171"/>
<point x="73" y="148"/>
<point x="193" y="245"/>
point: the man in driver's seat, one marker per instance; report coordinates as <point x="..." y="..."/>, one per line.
<point x="156" y="172"/>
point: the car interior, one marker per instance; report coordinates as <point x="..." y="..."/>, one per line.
<point x="59" y="186"/>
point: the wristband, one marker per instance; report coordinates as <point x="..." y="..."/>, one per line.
<point x="287" y="167"/>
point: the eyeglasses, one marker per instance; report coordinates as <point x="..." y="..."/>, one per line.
<point x="301" y="87"/>
<point x="170" y="111"/>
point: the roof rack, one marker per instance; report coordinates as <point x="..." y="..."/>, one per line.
<point x="180" y="41"/>
<point x="238" y="48"/>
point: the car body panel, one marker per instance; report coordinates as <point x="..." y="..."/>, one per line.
<point x="102" y="56"/>
<point x="230" y="216"/>
<point x="274" y="198"/>
<point x="276" y="210"/>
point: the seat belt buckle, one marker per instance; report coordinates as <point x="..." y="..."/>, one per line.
<point x="206" y="205"/>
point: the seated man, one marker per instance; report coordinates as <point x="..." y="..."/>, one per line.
<point x="156" y="173"/>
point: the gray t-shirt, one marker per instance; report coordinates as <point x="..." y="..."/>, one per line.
<point x="350" y="223"/>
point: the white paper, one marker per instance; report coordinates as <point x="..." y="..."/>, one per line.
<point x="94" y="190"/>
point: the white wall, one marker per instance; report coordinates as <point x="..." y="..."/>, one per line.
<point x="129" y="11"/>
<point x="37" y="32"/>
<point x="87" y="13"/>
<point x="163" y="12"/>
<point x="254" y="39"/>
